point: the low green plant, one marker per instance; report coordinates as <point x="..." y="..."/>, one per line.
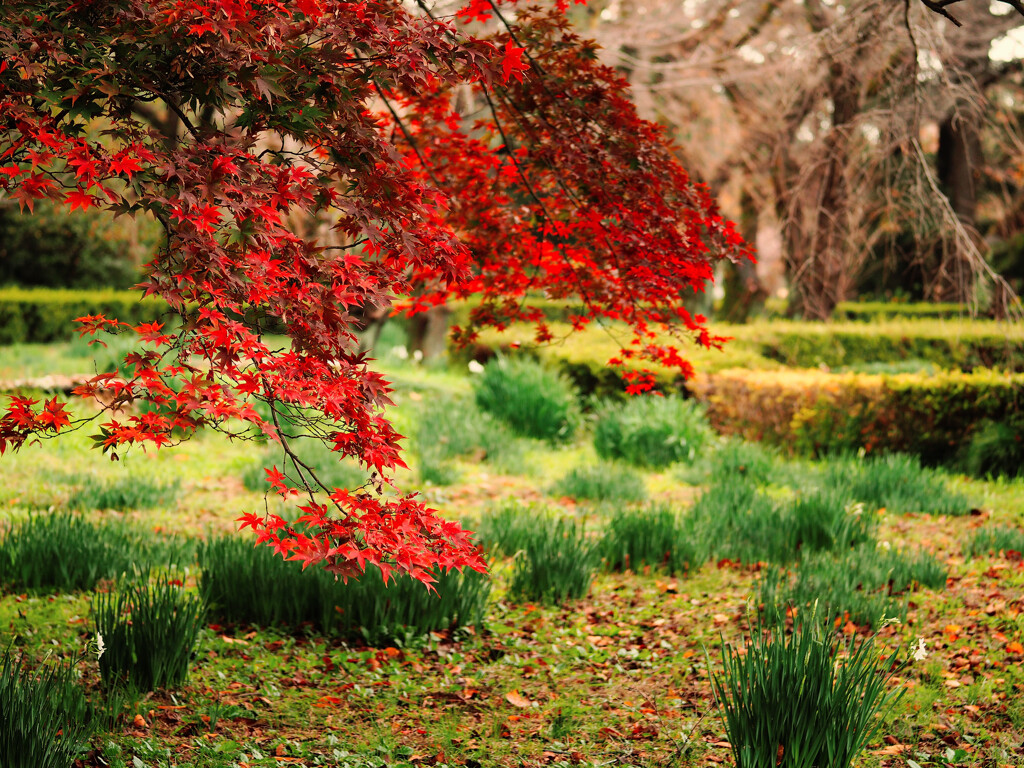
<point x="556" y="563"/>
<point x="863" y="585"/>
<point x="505" y="527"/>
<point x="454" y="427"/>
<point x="808" y="699"/>
<point x="122" y="493"/>
<point x="45" y="720"/>
<point x="533" y="400"/>
<point x="996" y="448"/>
<point x="651" y="431"/>
<point x="894" y="481"/>
<point x="605" y="481"/>
<point x="66" y="552"/>
<point x="246" y="584"/>
<point x="655" y="536"/>
<point x="332" y="470"/>
<point x="994" y="539"/>
<point x="149" y="630"/>
<point x="727" y="459"/>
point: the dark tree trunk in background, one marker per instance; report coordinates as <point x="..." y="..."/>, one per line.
<point x="958" y="165"/>
<point x="744" y="292"/>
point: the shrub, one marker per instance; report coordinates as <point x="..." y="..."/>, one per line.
<point x="728" y="459"/>
<point x="453" y="427"/>
<point x="149" y="631"/>
<point x="650" y="431"/>
<point x="996" y="449"/>
<point x="995" y="539"/>
<point x="332" y="469"/>
<point x="555" y="564"/>
<point x="122" y="493"/>
<point x="532" y="400"/>
<point x="602" y="482"/>
<point x="45" y="720"/>
<point x="809" y="699"/>
<point x="247" y="584"/>
<point x="816" y="413"/>
<point x="655" y="536"/>
<point x="66" y="552"/>
<point x="895" y="482"/>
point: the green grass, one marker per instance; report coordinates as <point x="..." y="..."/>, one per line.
<point x="656" y="536"/>
<point x="505" y="528"/>
<point x="650" y="431"/>
<point x="556" y="563"/>
<point x="149" y="629"/>
<point x="895" y="482"/>
<point x="533" y="400"/>
<point x="45" y="720"/>
<point x="606" y="481"/>
<point x="330" y="467"/>
<point x="803" y="700"/>
<point x="120" y="493"/>
<point x="995" y="540"/>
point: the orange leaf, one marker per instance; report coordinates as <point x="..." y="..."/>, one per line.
<point x="1014" y="647"/>
<point x="517" y="700"/>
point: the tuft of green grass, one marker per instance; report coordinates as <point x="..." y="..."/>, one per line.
<point x="865" y="585"/>
<point x="804" y="700"/>
<point x="651" y="431"/>
<point x="605" y="481"/>
<point x="246" y="584"/>
<point x="121" y="493"/>
<point x="556" y="563"/>
<point x="729" y="459"/>
<point x="996" y="449"/>
<point x="330" y="467"/>
<point x="149" y="631"/>
<point x="655" y="536"/>
<point x="533" y="400"/>
<point x="45" y="720"/>
<point x="454" y="427"/>
<point x="894" y="481"/>
<point x="66" y="552"/>
<point x="505" y="528"/>
<point x="994" y="539"/>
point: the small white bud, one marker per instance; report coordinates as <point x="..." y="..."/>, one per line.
<point x="475" y="367"/>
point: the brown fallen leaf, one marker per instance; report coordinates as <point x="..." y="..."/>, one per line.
<point x="516" y="699"/>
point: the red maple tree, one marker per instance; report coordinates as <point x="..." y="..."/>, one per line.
<point x="323" y="160"/>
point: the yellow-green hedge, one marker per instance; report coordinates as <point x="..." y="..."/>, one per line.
<point x="814" y="412"/>
<point x="41" y="315"/>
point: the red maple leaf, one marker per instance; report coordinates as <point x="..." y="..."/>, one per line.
<point x="512" y="62"/>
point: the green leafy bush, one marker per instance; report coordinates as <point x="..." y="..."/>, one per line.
<point x="149" y="630"/>
<point x="246" y="584"/>
<point x="650" y="431"/>
<point x="67" y="552"/>
<point x="606" y="481"/>
<point x="556" y="563"/>
<point x="531" y="399"/>
<point x="994" y="539"/>
<point x="45" y="720"/>
<point x="810" y="699"/>
<point x="996" y="449"/>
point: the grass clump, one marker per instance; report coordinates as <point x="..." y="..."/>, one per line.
<point x="66" y="552"/>
<point x="651" y="431"/>
<point x="333" y="470"/>
<point x="894" y="481"/>
<point x="556" y="563"/>
<point x="506" y="527"/>
<point x="655" y="536"/>
<point x="730" y="459"/>
<point x="122" y="493"/>
<point x="45" y="720"/>
<point x="996" y="449"/>
<point x="865" y="585"/>
<point x="605" y="481"/>
<point x="250" y="585"/>
<point x="802" y="700"/>
<point x="995" y="539"/>
<point x="531" y="399"/>
<point x="454" y="427"/>
<point x="149" y="631"/>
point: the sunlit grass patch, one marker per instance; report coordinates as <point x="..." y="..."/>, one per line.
<point x="556" y="563"/>
<point x="656" y="536"/>
<point x="651" y="431"/>
<point x="533" y="400"/>
<point x="604" y="481"/>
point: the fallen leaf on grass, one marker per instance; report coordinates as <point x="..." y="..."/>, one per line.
<point x="518" y="700"/>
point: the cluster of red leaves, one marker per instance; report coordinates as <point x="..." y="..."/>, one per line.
<point x="317" y="166"/>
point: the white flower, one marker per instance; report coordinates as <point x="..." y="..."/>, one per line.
<point x="475" y="367"/>
<point x="400" y="352"/>
<point x="885" y="545"/>
<point x="417" y="355"/>
<point x="920" y="654"/>
<point x="100" y="646"/>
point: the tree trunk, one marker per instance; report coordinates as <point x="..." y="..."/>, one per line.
<point x="744" y="292"/>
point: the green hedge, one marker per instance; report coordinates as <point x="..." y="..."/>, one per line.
<point x="44" y="315"/>
<point x="816" y="413"/>
<point x="871" y="311"/>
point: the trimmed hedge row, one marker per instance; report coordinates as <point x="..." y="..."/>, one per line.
<point x="44" y="315"/>
<point x="871" y="311"/>
<point x="814" y="413"/>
